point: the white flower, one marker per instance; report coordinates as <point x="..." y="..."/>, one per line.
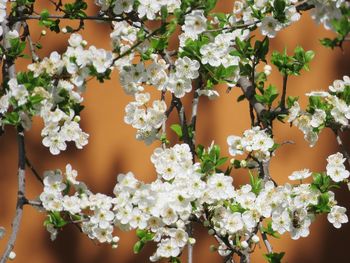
<point x="300" y="175"/>
<point x="235" y="146"/>
<point x="148" y="8"/>
<point x="337" y="216"/>
<point x="187" y="68"/>
<point x="318" y="118"/>
<point x="294" y="111"/>
<point x="53" y="182"/>
<point x="211" y="94"/>
<point x="75" y="40"/>
<point x="12" y="255"/>
<point x="233" y="222"/>
<point x="168" y="248"/>
<point x="102" y="218"/>
<point x="338" y="86"/>
<point x="179" y="86"/>
<point x="123" y="6"/>
<point x="195" y="23"/>
<point x="18" y="91"/>
<point x="55" y="143"/>
<point x="220" y="186"/>
<point x="270" y="26"/>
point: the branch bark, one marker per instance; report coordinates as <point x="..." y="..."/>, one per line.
<point x="21" y="199"/>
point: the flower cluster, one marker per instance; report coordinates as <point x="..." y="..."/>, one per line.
<point x="336" y="168"/>
<point x="276" y="15"/>
<point x="326" y="109"/>
<point x="146" y="8"/>
<point x="325" y="11"/>
<point x="161" y="210"/>
<point x="147" y="120"/>
<point x="52" y="90"/>
<point x="256" y="142"/>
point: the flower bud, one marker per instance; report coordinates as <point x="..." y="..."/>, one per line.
<point x="191" y="241"/>
<point x="206" y="223"/>
<point x="64" y="30"/>
<point x="255" y="239"/>
<point x="211" y="232"/>
<point x="12" y="255"/>
<point x="213" y="248"/>
<point x="267" y="70"/>
<point x="244" y="244"/>
<point x="43" y="32"/>
<point x="243" y="163"/>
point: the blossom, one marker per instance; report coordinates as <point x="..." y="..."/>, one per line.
<point x="300" y="175"/>
<point x="337" y="216"/>
<point x="270" y="26"/>
<point x="195" y="24"/>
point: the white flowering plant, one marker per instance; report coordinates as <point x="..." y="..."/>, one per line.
<point x="194" y="184"/>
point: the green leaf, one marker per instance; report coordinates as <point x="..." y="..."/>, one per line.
<point x="256" y="183"/>
<point x="177" y="129"/>
<point x="56" y="219"/>
<point x="44" y="14"/>
<point x="11" y="118"/>
<point x="138" y="246"/>
<point x="274" y="257"/>
<point x="269" y="230"/>
<point x="209" y="5"/>
<point x="175" y="260"/>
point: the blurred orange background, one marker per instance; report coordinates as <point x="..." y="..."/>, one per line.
<point x="113" y="149"/>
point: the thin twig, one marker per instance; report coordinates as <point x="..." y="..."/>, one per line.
<point x="341" y="145"/>
<point x="36" y="174"/>
<point x="265" y="240"/>
<point x="284" y="93"/>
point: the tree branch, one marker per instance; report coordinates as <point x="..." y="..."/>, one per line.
<point x="36" y="174"/>
<point x="21" y="200"/>
<point x="341" y="145"/>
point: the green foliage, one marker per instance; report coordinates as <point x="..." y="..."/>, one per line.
<point x="210" y="160"/>
<point x="341" y="27"/>
<point x="268" y="95"/>
<point x="16" y="48"/>
<point x="322" y="205"/>
<point x="55" y="219"/>
<point x="52" y="24"/>
<point x="75" y="10"/>
<point x="322" y="182"/>
<point x="292" y="65"/>
<point x="256" y="183"/>
<point x="274" y="257"/>
<point x="279" y="13"/>
<point x="144" y="237"/>
<point x="269" y="230"/>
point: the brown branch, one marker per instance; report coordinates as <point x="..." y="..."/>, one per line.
<point x="341" y="145"/>
<point x="248" y="90"/>
<point x="21" y="200"/>
<point x="36" y="174"/>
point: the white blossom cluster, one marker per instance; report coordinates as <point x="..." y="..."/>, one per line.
<point x="325" y="11"/>
<point x="218" y="52"/>
<point x="332" y="109"/>
<point x="336" y="168"/>
<point x="256" y="142"/>
<point x="146" y="119"/>
<point x="69" y="73"/>
<point x="146" y="8"/>
<point x="181" y="194"/>
<point x="270" y="24"/>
